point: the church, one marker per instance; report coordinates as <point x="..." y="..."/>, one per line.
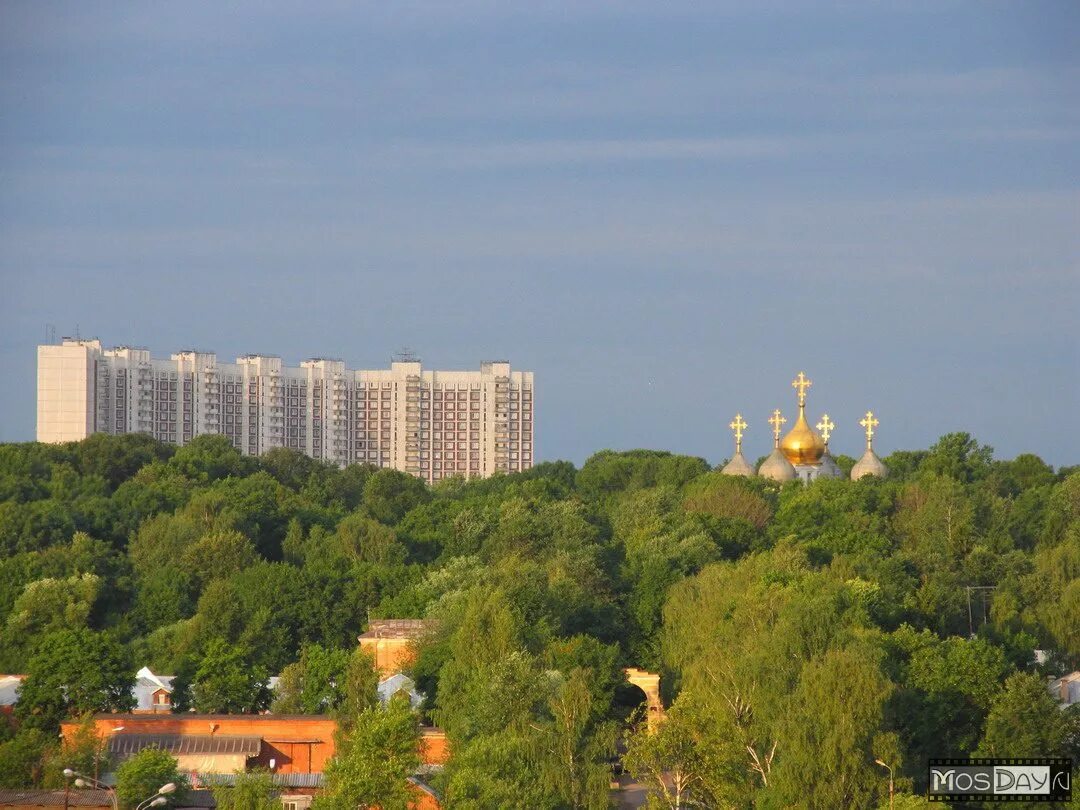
<point x="803" y="454"/>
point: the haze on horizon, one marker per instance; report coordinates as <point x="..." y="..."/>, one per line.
<point x="665" y="211"/>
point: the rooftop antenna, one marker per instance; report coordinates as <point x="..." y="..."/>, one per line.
<point x="405" y="355"/>
<point x="50" y="333"/>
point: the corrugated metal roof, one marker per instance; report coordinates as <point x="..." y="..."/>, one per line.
<point x="185" y="744"/>
<point x="296" y="780"/>
<point x="196" y="799"/>
<point x="90" y="797"/>
<point x="52" y="798"/>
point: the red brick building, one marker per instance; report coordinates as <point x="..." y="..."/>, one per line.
<point x="224" y="743"/>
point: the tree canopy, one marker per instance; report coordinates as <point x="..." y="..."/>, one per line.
<point x="801" y="631"/>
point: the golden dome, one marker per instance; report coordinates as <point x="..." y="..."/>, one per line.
<point x="803" y="444"/>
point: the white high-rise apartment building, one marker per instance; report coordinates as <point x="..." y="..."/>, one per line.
<point x="433" y="424"/>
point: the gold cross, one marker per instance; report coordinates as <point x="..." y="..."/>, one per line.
<point x="869" y="422"/>
<point x="738" y="426"/>
<point x="776" y="420"/>
<point x="800" y="384"/>
<point x="825" y="426"/>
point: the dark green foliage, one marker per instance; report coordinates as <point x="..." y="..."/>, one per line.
<point x="23" y="758"/>
<point x="389" y="495"/>
<point x="327" y="681"/>
<point x="226" y="682"/>
<point x="115" y="459"/>
<point x="608" y="472"/>
<point x="74" y="672"/>
<point x="958" y="456"/>
<point x="210" y="458"/>
<point x="800" y="630"/>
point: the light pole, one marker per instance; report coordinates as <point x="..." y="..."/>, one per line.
<point x="890" y="770"/>
<point x="82" y="781"/>
<point x="157" y="800"/>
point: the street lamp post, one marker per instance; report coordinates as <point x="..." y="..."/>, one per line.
<point x="890" y="770"/>
<point x="83" y="781"/>
<point x="157" y="800"/>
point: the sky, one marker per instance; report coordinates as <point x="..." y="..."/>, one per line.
<point x="665" y="210"/>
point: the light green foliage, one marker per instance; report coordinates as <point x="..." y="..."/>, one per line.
<point x="778" y="636"/>
<point x="599" y="661"/>
<point x="731" y="498"/>
<point x="946" y="687"/>
<point x="1052" y="590"/>
<point x="502" y="770"/>
<point x="52" y="604"/>
<point x="252" y="790"/>
<point x="575" y="746"/>
<point x="360" y="691"/>
<point x="142" y="775"/>
<point x="83" y="752"/>
<point x="114" y="459"/>
<point x="833" y="716"/>
<point x="374" y="761"/>
<point x="366" y="540"/>
<point x="490" y="682"/>
<point x="218" y="555"/>
<point x="1026" y="721"/>
<point x="935" y="520"/>
<point x="906" y="801"/>
<point x="687" y="760"/>
<point x="313" y="685"/>
<point x="838" y="516"/>
<point x="256" y="609"/>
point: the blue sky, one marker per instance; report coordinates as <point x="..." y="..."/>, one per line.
<point x="664" y="209"/>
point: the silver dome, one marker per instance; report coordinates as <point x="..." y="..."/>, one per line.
<point x="738" y="466"/>
<point x="869" y="464"/>
<point x="777" y="467"/>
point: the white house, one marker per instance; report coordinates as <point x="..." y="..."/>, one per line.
<point x="152" y="693"/>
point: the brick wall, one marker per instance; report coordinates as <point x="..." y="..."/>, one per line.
<point x="296" y="743"/>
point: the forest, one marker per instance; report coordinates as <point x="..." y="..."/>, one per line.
<point x="811" y="639"/>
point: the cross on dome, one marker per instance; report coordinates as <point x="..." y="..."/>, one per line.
<point x="738" y="425"/>
<point x="869" y="422"/>
<point x="800" y="384"/>
<point x="825" y="426"/>
<point x="777" y="421"/>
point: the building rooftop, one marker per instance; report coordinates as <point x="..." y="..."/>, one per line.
<point x="395" y="628"/>
<point x="120" y="744"/>
<point x="87" y="798"/>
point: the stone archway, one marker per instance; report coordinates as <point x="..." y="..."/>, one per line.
<point x="649" y="683"/>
